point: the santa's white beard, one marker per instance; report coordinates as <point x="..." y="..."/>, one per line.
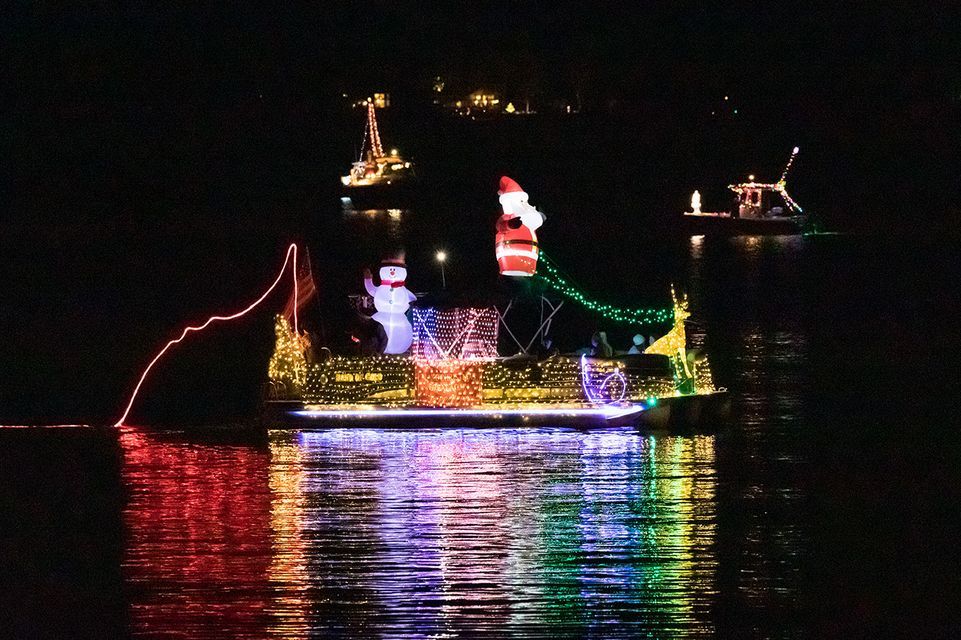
<point x="531" y="217"/>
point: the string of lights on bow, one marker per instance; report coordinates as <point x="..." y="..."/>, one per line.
<point x="551" y="275"/>
<point x="787" y="167"/>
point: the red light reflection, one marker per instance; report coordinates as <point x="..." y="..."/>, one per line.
<point x="198" y="537"/>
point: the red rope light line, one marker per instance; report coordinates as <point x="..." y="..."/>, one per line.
<point x="291" y="251"/>
<point x="374" y="133"/>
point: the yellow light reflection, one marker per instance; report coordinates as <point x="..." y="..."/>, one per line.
<point x="288" y="564"/>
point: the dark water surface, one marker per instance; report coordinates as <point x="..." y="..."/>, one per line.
<point x="819" y="512"/>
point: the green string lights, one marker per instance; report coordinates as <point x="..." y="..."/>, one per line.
<point x="552" y="277"/>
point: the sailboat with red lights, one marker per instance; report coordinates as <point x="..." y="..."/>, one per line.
<point x="376" y="173"/>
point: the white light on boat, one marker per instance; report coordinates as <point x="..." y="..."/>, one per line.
<point x="399" y="165"/>
<point x="394" y="152"/>
<point x="345" y="180"/>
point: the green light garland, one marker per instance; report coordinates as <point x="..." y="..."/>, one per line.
<point x="556" y="281"/>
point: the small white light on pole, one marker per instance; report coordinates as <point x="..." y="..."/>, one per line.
<point x="442" y="258"/>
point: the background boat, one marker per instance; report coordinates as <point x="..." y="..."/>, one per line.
<point x="378" y="179"/>
<point x="758" y="209"/>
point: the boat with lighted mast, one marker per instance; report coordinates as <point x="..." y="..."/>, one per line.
<point x="377" y="177"/>
<point x="759" y="208"/>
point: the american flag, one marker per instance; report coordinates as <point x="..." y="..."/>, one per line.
<point x="306" y="289"/>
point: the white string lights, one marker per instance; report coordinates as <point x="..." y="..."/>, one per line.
<point x="779" y="187"/>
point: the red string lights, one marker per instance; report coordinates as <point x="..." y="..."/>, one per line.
<point x="291" y="256"/>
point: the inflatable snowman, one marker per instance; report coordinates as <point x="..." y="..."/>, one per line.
<point x="392" y="300"/>
<point x="516" y="240"/>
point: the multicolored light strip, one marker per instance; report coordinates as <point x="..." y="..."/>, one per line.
<point x="291" y="254"/>
<point x="619" y="314"/>
<point x="608" y="412"/>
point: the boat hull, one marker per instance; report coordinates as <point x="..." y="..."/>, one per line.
<point x="726" y="226"/>
<point x="397" y="195"/>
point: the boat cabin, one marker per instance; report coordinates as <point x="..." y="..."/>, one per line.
<point x="754" y="200"/>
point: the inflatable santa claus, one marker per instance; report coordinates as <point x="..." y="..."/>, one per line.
<point x="516" y="240"/>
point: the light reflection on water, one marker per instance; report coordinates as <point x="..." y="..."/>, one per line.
<point x="198" y="542"/>
<point x="762" y="345"/>
<point x="423" y="534"/>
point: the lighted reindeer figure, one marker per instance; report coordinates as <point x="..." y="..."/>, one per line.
<point x="673" y="344"/>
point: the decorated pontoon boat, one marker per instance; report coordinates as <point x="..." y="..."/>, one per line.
<point x="421" y="364"/>
<point x="427" y="365"/>
<point x="453" y="377"/>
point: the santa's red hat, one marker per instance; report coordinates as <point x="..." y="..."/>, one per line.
<point x="508" y="185"/>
